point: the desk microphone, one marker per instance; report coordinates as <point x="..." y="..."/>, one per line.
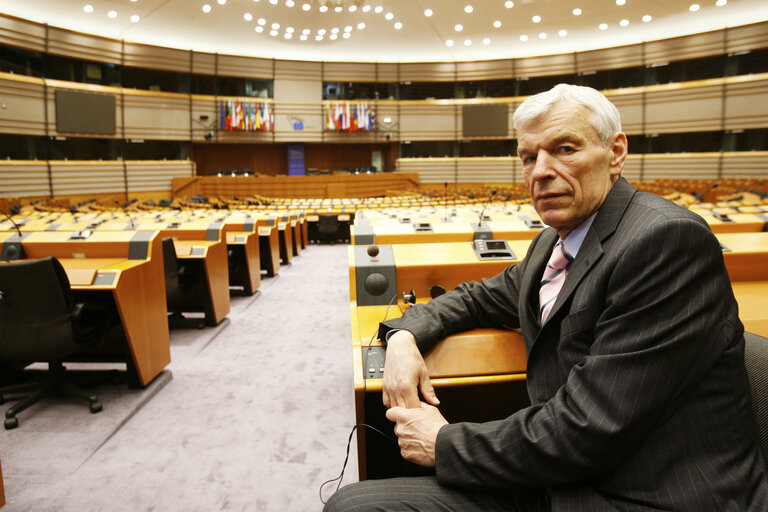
<point x="18" y="230"/>
<point x="122" y="207"/>
<point x="12" y="249"/>
<point x="490" y="198"/>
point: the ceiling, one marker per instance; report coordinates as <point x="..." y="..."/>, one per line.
<point x="245" y="27"/>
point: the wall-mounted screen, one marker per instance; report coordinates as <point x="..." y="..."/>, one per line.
<point x="85" y="112"/>
<point x="485" y="120"/>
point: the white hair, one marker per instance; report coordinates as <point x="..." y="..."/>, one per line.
<point x="605" y="116"/>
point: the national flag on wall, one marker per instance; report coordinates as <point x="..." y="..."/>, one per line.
<point x="349" y="117"/>
<point x="245" y="115"/>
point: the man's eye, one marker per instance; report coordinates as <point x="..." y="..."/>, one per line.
<point x="528" y="159"/>
<point x="566" y="149"/>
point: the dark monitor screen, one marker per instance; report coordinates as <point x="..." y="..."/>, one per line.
<point x="85" y="112"/>
<point x="485" y="120"/>
<point x="495" y="245"/>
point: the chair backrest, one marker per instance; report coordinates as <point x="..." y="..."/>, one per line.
<point x="756" y="360"/>
<point x="35" y="311"/>
<point x="327" y="224"/>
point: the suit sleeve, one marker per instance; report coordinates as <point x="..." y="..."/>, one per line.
<point x="660" y="329"/>
<point x="492" y="302"/>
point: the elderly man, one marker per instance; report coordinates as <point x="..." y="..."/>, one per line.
<point x="639" y="394"/>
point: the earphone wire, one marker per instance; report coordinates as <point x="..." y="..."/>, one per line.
<point x="359" y="418"/>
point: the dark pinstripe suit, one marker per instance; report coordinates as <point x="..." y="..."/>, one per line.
<point x="637" y="380"/>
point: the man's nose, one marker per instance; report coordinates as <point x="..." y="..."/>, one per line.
<point x="543" y="168"/>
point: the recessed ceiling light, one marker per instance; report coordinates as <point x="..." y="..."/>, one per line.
<point x="273" y="2"/>
<point x="387" y="119"/>
<point x="487" y="40"/>
<point x="378" y="9"/>
<point x="398" y="25"/>
<point x="273" y="33"/>
<point x="135" y="18"/>
<point x="338" y="8"/>
<point x="348" y="28"/>
<point x="305" y="7"/>
<point x="287" y="35"/>
<point x="509" y="4"/>
<point x="290" y="30"/>
<point x="361" y="25"/>
<point x="459" y="27"/>
<point x="221" y="2"/>
<point x="206" y="8"/>
<point x="536" y="19"/>
<point x="523" y="38"/>
<point x="721" y="3"/>
<point x="289" y="3"/>
<point x="694" y="7"/>
<point x="303" y="37"/>
<point x="624" y="23"/>
<point x="307" y="31"/>
<point x="321" y="31"/>
<point x="259" y="29"/>
<point x="275" y="25"/>
<point x="352" y="8"/>
<point x="346" y="35"/>
<point x="577" y="12"/>
<point x="468" y="9"/>
<point x="318" y="38"/>
<point x="621" y="2"/>
<point x="428" y="13"/>
<point x="647" y="18"/>
<point x="262" y="21"/>
<point x="247" y="16"/>
<point x="603" y="26"/>
<point x="333" y="37"/>
<point x="449" y="43"/>
<point x="323" y="8"/>
<point x="112" y="14"/>
<point x="389" y="16"/>
<point x="562" y="33"/>
<point x="88" y="8"/>
<point x="467" y="42"/>
<point x="335" y="30"/>
<point x="542" y="35"/>
<point x="366" y="8"/>
<point x="497" y="24"/>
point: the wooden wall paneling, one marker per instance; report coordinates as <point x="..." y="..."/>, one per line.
<point x="156" y="115"/>
<point x="204" y="63"/>
<point x="204" y="106"/>
<point x="630" y="105"/>
<point x="149" y="175"/>
<point x="746" y="102"/>
<point x="156" y="57"/>
<point x="87" y="177"/>
<point x="22" y="106"/>
<point x="428" y="72"/>
<point x="22" y="178"/>
<point x="388" y="72"/>
<point x="387" y="131"/>
<point x="674" y="109"/>
<point x="686" y="165"/>
<point x="610" y="58"/>
<point x="22" y="33"/>
<point x="349" y="72"/>
<point x="485" y="70"/>
<point x="429" y="170"/>
<point x="299" y="70"/>
<point x="309" y="114"/>
<point x="338" y="156"/>
<point x="245" y="67"/>
<point x="428" y="120"/>
<point x="633" y="167"/>
<point x="347" y="138"/>
<point x="529" y="67"/>
<point x="753" y="164"/>
<point x="485" y="170"/>
<point x="747" y="37"/>
<point x="263" y="158"/>
<point x="84" y="46"/>
<point x="686" y="47"/>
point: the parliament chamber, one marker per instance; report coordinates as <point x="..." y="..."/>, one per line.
<point x="176" y="221"/>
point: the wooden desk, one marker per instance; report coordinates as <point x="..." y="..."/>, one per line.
<point x="243" y="255"/>
<point x="123" y="268"/>
<point x="747" y="256"/>
<point x="209" y="258"/>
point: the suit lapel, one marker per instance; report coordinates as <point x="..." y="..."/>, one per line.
<point x="529" y="322"/>
<point x="591" y="250"/>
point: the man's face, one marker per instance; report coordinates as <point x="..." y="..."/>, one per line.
<point x="569" y="172"/>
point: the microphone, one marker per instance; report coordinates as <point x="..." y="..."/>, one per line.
<point x="18" y="230"/>
<point x="12" y="249"/>
<point x="122" y="207"/>
<point x="490" y="198"/>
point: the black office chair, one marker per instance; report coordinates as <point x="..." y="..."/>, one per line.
<point x="180" y="285"/>
<point x="40" y="322"/>
<point x="756" y="359"/>
<point x="327" y="228"/>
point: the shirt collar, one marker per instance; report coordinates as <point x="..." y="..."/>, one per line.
<point x="575" y="238"/>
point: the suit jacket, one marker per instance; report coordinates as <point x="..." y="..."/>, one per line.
<point x="639" y="392"/>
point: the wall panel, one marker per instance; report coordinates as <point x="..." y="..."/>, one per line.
<point x="427" y="72"/>
<point x="158" y="116"/>
<point x="563" y="64"/>
<point x="630" y="105"/>
<point x="22" y="33"/>
<point x="22" y="109"/>
<point x="245" y="67"/>
<point x="429" y="170"/>
<point x="86" y="177"/>
<point x="485" y="70"/>
<point x="84" y="46"/>
<point x="388" y="72"/>
<point x="748" y="37"/>
<point x="23" y="178"/>
<point x="156" y="57"/>
<point x="428" y="121"/>
<point x="350" y="72"/>
<point x="486" y="170"/>
<point x="689" y="166"/>
<point x="610" y="58"/>
<point x="148" y="175"/>
<point x="633" y="168"/>
<point x="297" y="70"/>
<point x="684" y="109"/>
<point x="688" y="47"/>
<point x="204" y="63"/>
<point x="746" y="102"/>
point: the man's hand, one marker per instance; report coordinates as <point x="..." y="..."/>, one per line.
<point x="405" y="374"/>
<point x="416" y="431"/>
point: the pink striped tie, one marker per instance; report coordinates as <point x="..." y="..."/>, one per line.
<point x="553" y="279"/>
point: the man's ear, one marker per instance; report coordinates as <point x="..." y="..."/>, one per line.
<point x="619" y="149"/>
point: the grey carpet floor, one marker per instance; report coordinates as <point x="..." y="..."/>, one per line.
<point x="255" y="417"/>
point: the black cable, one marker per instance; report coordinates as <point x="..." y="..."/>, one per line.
<point x="359" y="418"/>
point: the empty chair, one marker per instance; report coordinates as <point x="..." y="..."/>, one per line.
<point x="40" y="322"/>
